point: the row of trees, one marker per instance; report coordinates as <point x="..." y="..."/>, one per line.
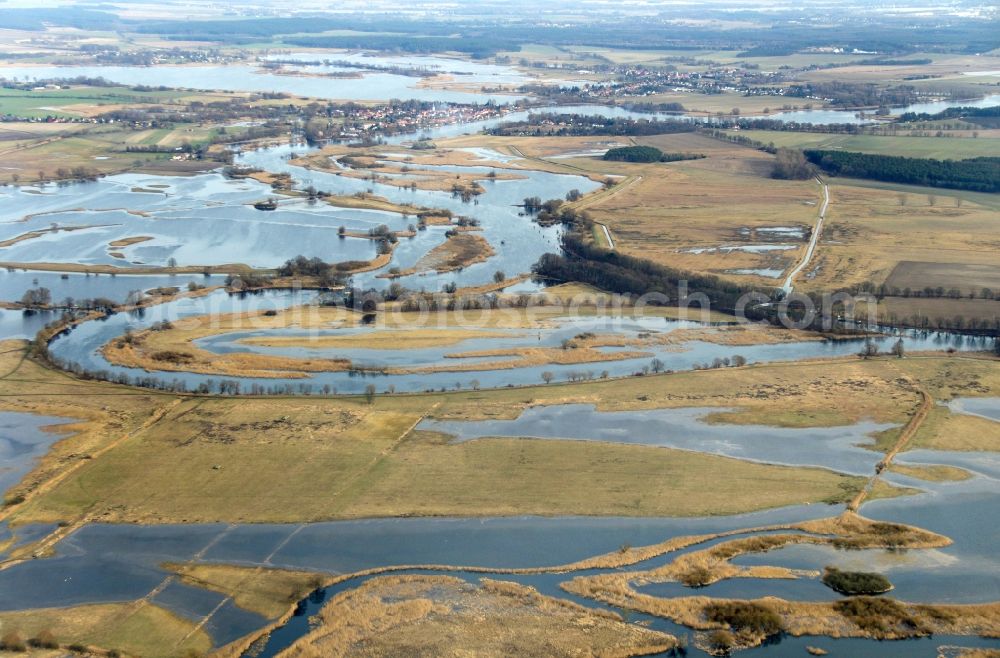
<point x="975" y="174"/>
<point x="585" y="124"/>
<point x="984" y="116"/>
<point x="617" y="272"/>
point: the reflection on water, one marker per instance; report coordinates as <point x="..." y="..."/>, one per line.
<point x="984" y="407"/>
<point x="24" y="438"/>
<point x="838" y="448"/>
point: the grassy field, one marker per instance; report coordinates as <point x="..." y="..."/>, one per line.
<point x="704" y="204"/>
<point x="680" y="213"/>
<point x="98" y="149"/>
<point x="906" y="309"/>
<point x="175" y="349"/>
<point x="137" y="629"/>
<point x="941" y="148"/>
<point x="663" y="211"/>
<point x="268" y="592"/>
<point x="85" y="101"/>
<point x="944" y="430"/>
<point x="159" y="458"/>
<point x="966" y="277"/>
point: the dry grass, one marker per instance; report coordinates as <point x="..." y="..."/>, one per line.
<point x="268" y="592"/>
<point x="147" y="630"/>
<point x="460" y="250"/>
<point x="388" y="339"/>
<point x="126" y="242"/>
<point x="427" y="476"/>
<point x="869" y="233"/>
<point x="443" y="616"/>
<point x="227" y="268"/>
<point x="173" y="350"/>
<point x="274" y="455"/>
<point x="936" y="473"/>
<point x="213" y="460"/>
<point x="944" y="430"/>
<point x="913" y="309"/>
<point x="967" y="277"/>
<point x="797" y="618"/>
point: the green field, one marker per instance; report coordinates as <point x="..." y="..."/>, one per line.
<point x="33" y="104"/>
<point x="941" y="148"/>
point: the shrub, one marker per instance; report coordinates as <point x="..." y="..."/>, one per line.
<point x="745" y="617"/>
<point x="16" y="499"/>
<point x="721" y="641"/>
<point x="172" y="356"/>
<point x="878" y="615"/>
<point x="44" y="640"/>
<point x="697" y="577"/>
<point x="12" y="641"/>
<point x="853" y="583"/>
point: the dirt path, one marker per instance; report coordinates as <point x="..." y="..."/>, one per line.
<point x="605" y="194"/>
<point x="908" y="432"/>
<point x="813" y="241"/>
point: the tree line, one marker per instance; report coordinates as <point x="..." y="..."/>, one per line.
<point x="647" y="154"/>
<point x="975" y="174"/>
<point x="586" y="125"/>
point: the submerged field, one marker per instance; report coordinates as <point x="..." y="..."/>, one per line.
<point x="489" y="514"/>
<point x="162" y="458"/>
<point x="156" y="458"/>
<point x="209" y="459"/>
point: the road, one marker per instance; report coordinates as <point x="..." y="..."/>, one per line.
<point x="813" y="240"/>
<point x="607" y="236"/>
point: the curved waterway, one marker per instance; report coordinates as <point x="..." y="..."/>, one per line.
<point x="103" y="563"/>
<point x="207" y="217"/>
<point x="82" y="346"/>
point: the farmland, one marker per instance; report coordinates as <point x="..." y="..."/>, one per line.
<point x="940" y="148"/>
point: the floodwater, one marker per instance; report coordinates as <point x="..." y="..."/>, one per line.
<point x="984" y="407"/>
<point x="207" y="217"/>
<point x="82" y="344"/>
<point x="209" y="220"/>
<point x="372" y="86"/>
<point x="837" y="448"/>
<point x="116" y="287"/>
<point x="763" y="271"/>
<point x="25" y="438"/>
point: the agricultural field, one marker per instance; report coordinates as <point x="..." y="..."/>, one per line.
<point x="871" y="232"/>
<point x="97" y="149"/>
<point x="940" y="148"/>
<point x="77" y="102"/>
